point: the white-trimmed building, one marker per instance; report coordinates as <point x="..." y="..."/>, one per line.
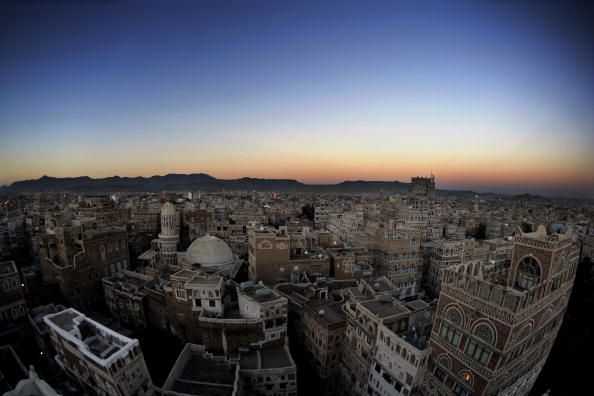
<point x="98" y="357"/>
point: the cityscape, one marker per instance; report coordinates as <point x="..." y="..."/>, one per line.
<point x="282" y="199"/>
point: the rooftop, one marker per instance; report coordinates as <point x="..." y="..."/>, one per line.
<point x="384" y="309"/>
<point x="259" y="293"/>
<point x="198" y="372"/>
<point x="330" y="313"/>
<point x="276" y="358"/>
<point x="95" y="341"/>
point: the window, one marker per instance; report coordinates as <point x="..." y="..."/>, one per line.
<point x="454" y="316"/>
<point x="460" y="391"/>
<point x="484" y="332"/>
<point x="212" y="303"/>
<point x="478" y="352"/>
<point x="528" y="274"/>
<point x="180" y="294"/>
<point x="449" y="333"/>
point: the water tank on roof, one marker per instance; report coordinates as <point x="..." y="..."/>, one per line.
<point x="384" y="297"/>
<point x="246" y="285"/>
<point x="264" y="292"/>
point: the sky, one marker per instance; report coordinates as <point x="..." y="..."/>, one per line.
<point x="490" y="95"/>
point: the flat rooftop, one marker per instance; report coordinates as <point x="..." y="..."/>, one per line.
<point x="64" y="320"/>
<point x="332" y="312"/>
<point x="417" y="305"/>
<point x="94" y="340"/>
<point x="205" y="280"/>
<point x="184" y="274"/>
<point x="384" y="309"/>
<point x="249" y="361"/>
<point x="275" y="358"/>
<point x="259" y="293"/>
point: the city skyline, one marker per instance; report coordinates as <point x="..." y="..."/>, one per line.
<point x="490" y="96"/>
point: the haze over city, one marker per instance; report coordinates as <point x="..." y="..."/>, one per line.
<point x="489" y="96"/>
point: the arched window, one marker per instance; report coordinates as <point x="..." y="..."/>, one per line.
<point x="484" y="332"/>
<point x="466" y="378"/>
<point x="454" y="316"/>
<point x="444" y="361"/>
<point x="265" y="245"/>
<point x="528" y="273"/>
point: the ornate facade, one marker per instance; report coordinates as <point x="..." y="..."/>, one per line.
<point x="493" y="333"/>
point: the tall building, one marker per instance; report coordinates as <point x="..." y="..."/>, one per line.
<point x="420" y="211"/>
<point x="101" y="359"/>
<point x="78" y="257"/>
<point x="493" y="330"/>
<point x="13" y="308"/>
<point x="169" y="236"/>
<point x="278" y="255"/>
<point x="163" y="251"/>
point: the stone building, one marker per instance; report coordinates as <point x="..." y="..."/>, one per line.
<point x="324" y="325"/>
<point x="363" y="322"/>
<point x="102" y="360"/>
<point x="492" y="334"/>
<point x="269" y="372"/>
<point x="198" y="372"/>
<point x="275" y="255"/>
<point x="13" y="307"/>
<point x="261" y="302"/>
<point x="420" y="211"/>
<point x="400" y="359"/>
<point x="163" y="252"/>
<point x="77" y="258"/>
<point x="40" y="329"/>
<point x="465" y="255"/>
<point x="169" y="236"/>
<point x="321" y="211"/>
<point x="125" y="294"/>
<point x="350" y="263"/>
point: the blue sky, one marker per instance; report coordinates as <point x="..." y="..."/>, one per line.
<point x="317" y="92"/>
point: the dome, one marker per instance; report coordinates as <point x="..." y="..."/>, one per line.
<point x="209" y="251"/>
<point x="168" y="209"/>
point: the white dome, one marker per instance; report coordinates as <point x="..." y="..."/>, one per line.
<point x="209" y="251"/>
<point x="168" y="209"/>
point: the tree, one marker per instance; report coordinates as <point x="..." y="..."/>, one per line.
<point x="307" y="211"/>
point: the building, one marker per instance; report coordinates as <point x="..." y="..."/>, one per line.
<point x="492" y="334"/>
<point x="363" y="322"/>
<point x="125" y="295"/>
<point x="13" y="307"/>
<point x="276" y="256"/>
<point x="261" y="302"/>
<point x="350" y="263"/>
<point x="106" y="362"/>
<point x="40" y="330"/>
<point x="197" y="372"/>
<point x="400" y="359"/>
<point x="77" y="256"/>
<point x="420" y="210"/>
<point x="324" y="325"/>
<point x="465" y="255"/>
<point x="32" y="386"/>
<point x="269" y="372"/>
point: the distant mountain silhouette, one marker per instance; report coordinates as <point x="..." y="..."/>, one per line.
<point x="203" y="182"/>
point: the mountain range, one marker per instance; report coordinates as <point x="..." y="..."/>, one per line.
<point x="200" y="182"/>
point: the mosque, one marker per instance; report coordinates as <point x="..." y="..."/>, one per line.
<point x="208" y="254"/>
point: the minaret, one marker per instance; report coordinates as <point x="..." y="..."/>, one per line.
<point x="169" y="236"/>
